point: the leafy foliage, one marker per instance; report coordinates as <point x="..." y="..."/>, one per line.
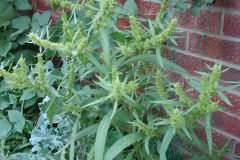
<point x="16" y="21"/>
<point x="111" y="97"/>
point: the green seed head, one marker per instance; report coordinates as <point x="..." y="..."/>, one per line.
<point x="117" y="89"/>
<point x="176" y="119"/>
<point x="131" y="87"/>
<point x="183" y="97"/>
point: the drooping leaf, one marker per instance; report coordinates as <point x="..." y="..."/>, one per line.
<point x="146" y="144"/>
<point x="121" y="144"/>
<point x="102" y="136"/>
<point x="165" y="142"/>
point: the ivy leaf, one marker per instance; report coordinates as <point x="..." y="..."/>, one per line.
<point x="21" y="22"/>
<point x="22" y="5"/>
<point x="14" y="116"/>
<point x="5" y="126"/>
<point x="18" y="126"/>
<point x="4" y="48"/>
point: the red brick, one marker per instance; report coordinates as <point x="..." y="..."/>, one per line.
<point x="215" y="48"/>
<point x="231" y="74"/>
<point x="41" y="5"/>
<point x="234" y="4"/>
<point x="235" y="100"/>
<point x="227" y="158"/>
<point x="227" y="123"/>
<point x="181" y="39"/>
<point x="123" y="23"/>
<point x="218" y="139"/>
<point x="148" y="9"/>
<point x="237" y="149"/>
<point x="207" y="21"/>
<point x="192" y="64"/>
<point x="231" y="25"/>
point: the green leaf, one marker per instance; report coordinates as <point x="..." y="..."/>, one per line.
<point x="152" y="59"/>
<point x="114" y="108"/>
<point x="44" y="18"/>
<point x="146" y="145"/>
<point x="99" y="67"/>
<point x="101" y="136"/>
<point x="19" y="125"/>
<point x="166" y="141"/>
<point x="89" y="131"/>
<point x="121" y="144"/>
<point x="118" y="37"/>
<point x="196" y="85"/>
<point x="159" y="57"/>
<point x="208" y="131"/>
<point x="4" y="48"/>
<point x="130" y="7"/>
<point x="105" y="45"/>
<point x="22" y="5"/>
<point x="151" y="28"/>
<point x="100" y="100"/>
<point x="5" y="126"/>
<point x="172" y="102"/>
<point x="27" y="94"/>
<point x="7" y="12"/>
<point x="72" y="146"/>
<point x="21" y="22"/>
<point x="185" y="130"/>
<point x="50" y="111"/>
<point x="14" y="116"/>
<point x="224" y="98"/>
<point x="162" y="122"/>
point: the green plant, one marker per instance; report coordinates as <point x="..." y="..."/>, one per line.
<point x="15" y="24"/>
<point x="16" y="21"/>
<point x="113" y="86"/>
<point x="196" y="6"/>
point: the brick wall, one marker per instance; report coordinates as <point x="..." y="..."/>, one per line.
<point x="213" y="36"/>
